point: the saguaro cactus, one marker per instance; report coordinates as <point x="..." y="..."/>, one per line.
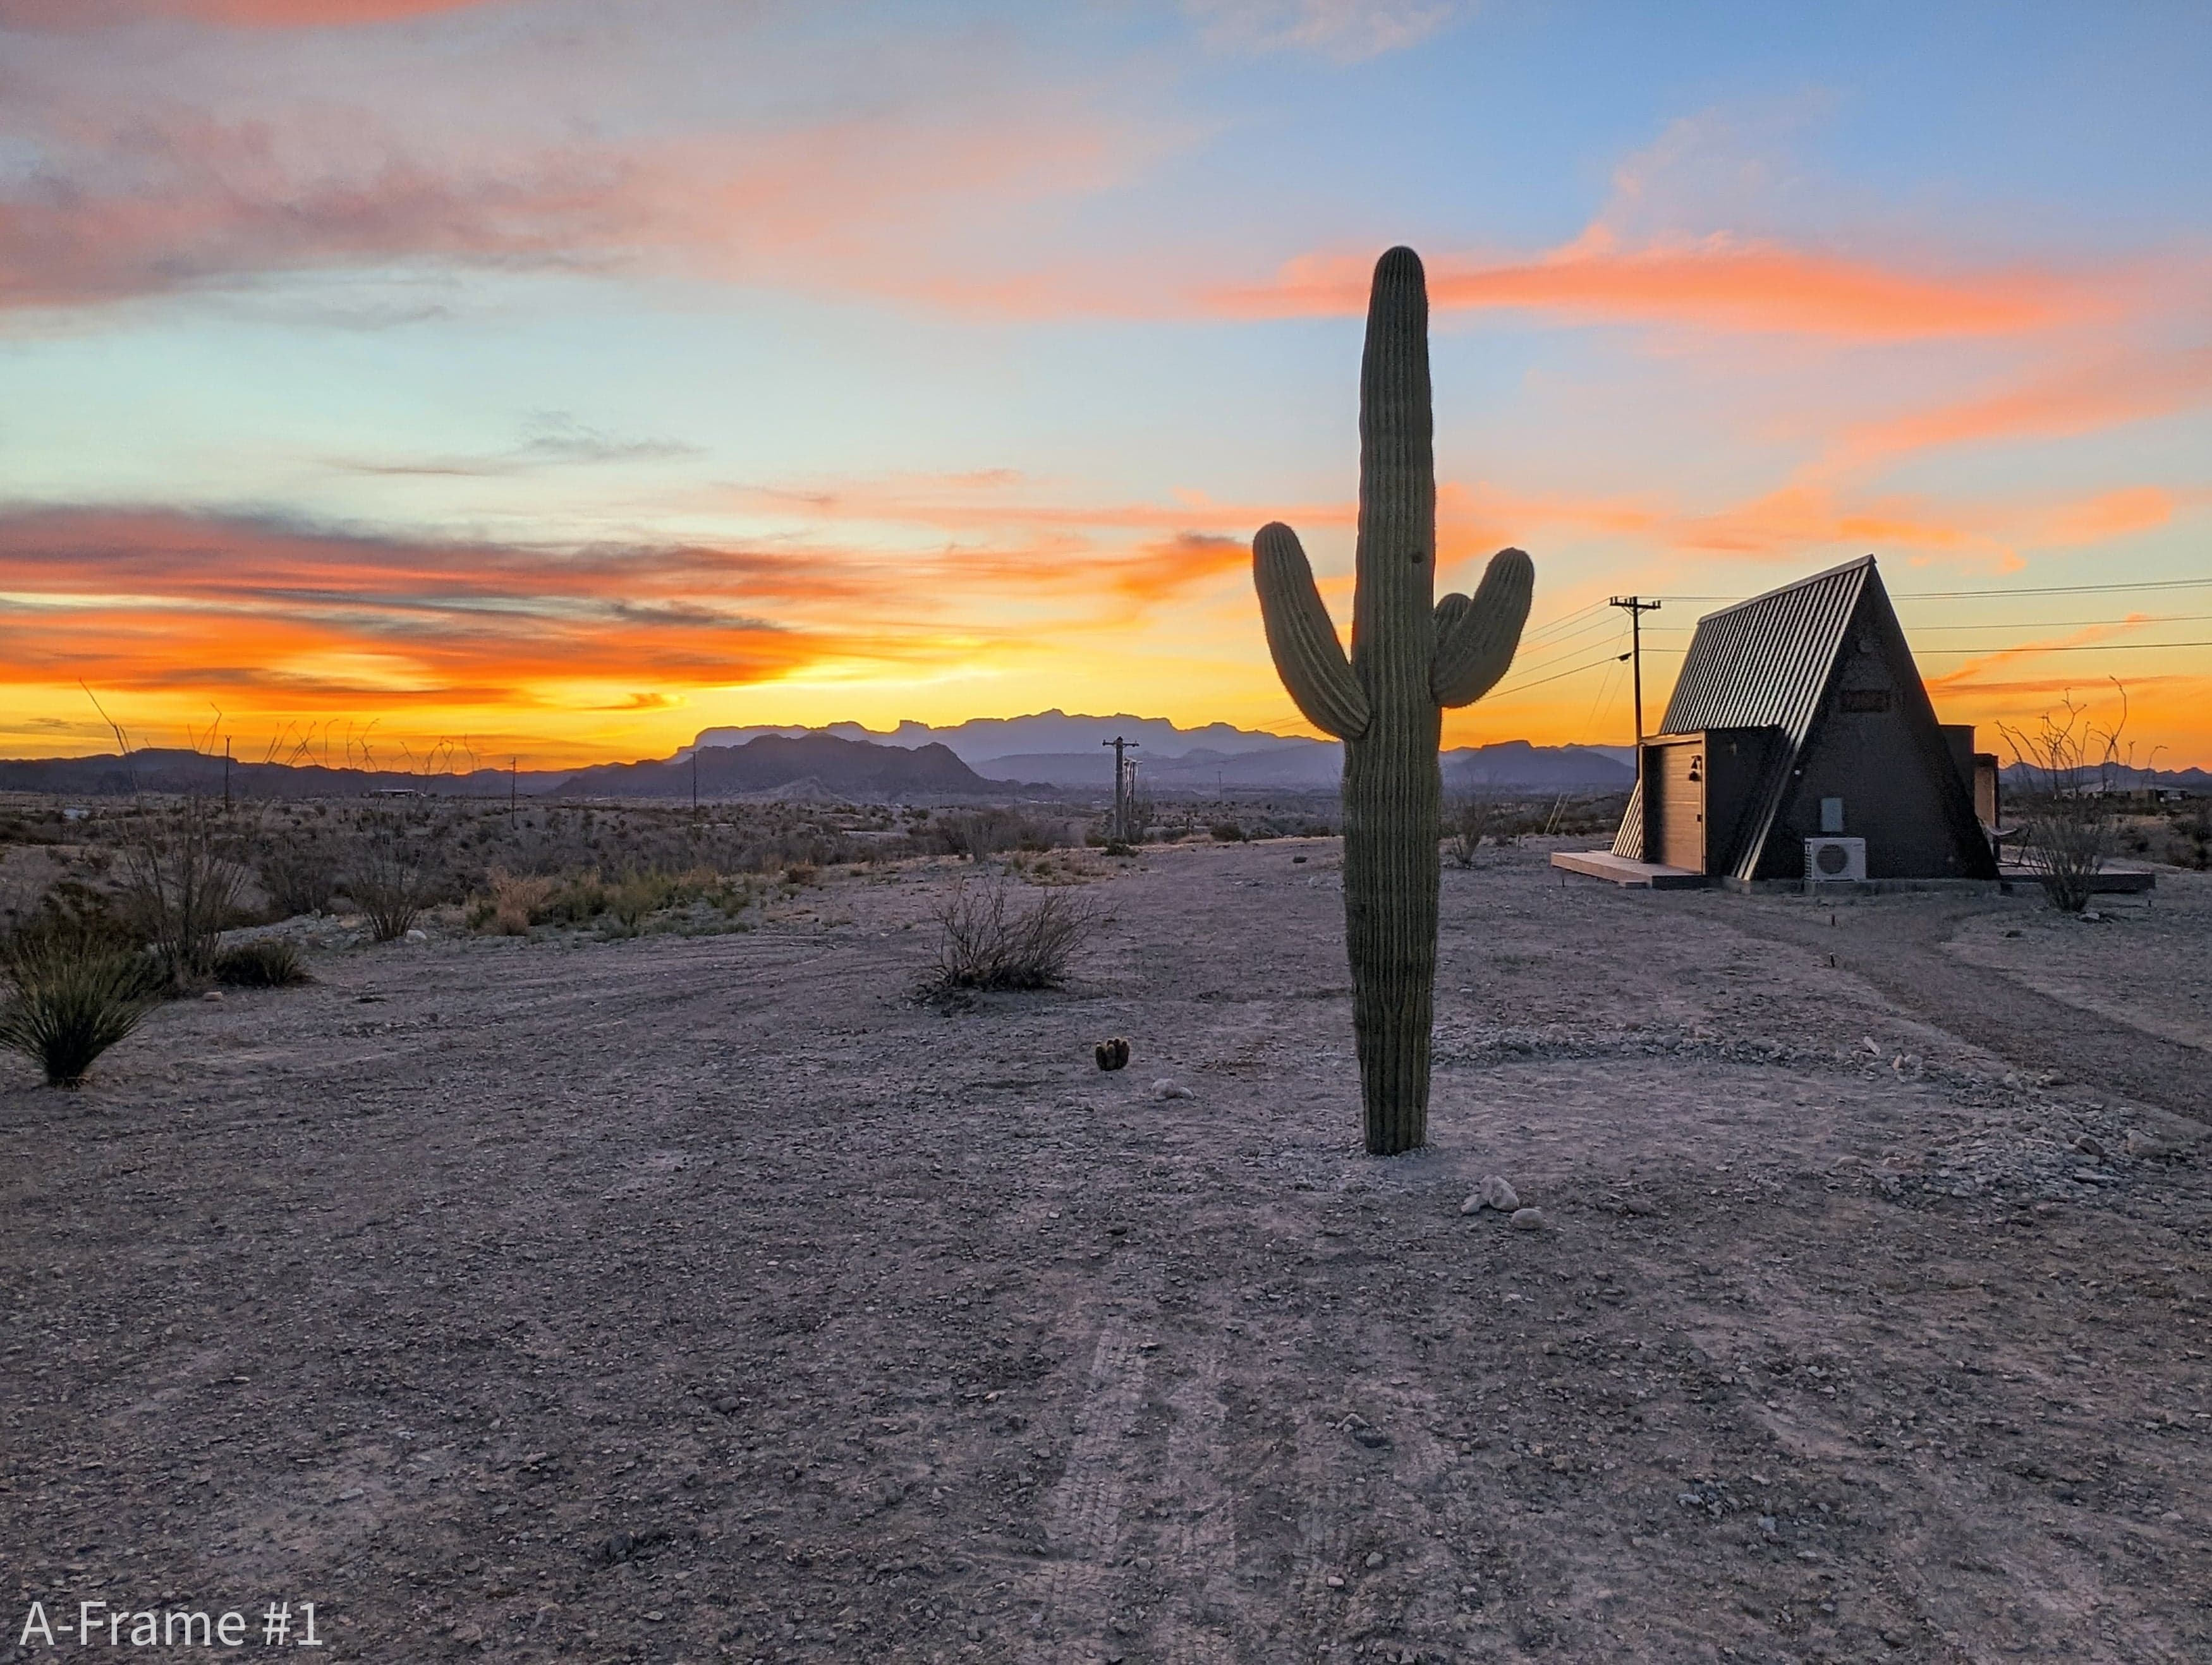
<point x="1409" y="660"/>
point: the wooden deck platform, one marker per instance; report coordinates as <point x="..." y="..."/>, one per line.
<point x="1639" y="875"/>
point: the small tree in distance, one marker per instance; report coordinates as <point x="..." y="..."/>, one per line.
<point x="2073" y="769"/>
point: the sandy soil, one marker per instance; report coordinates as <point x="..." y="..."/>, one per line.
<point x="688" y="1299"/>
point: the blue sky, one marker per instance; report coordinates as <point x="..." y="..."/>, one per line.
<point x="576" y="377"/>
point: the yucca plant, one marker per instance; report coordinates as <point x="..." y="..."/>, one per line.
<point x="72" y="994"/>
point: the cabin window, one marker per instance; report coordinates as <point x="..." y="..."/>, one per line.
<point x="1832" y="815"/>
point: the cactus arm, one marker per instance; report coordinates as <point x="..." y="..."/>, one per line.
<point x="1302" y="637"/>
<point x="1475" y="639"/>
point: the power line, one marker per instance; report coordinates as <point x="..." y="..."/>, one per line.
<point x="2027" y="623"/>
<point x="2077" y="647"/>
<point x="2047" y="589"/>
<point x="1516" y="688"/>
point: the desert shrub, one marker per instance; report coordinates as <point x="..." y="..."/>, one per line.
<point x="1227" y="832"/>
<point x="637" y="895"/>
<point x="1467" y="819"/>
<point x="985" y="941"/>
<point x="263" y="962"/>
<point x="299" y="876"/>
<point x="2189" y="840"/>
<point x="577" y="899"/>
<point x="387" y="879"/>
<point x="182" y="890"/>
<point x="2072" y="767"/>
<point x="801" y="873"/>
<point x="71" y="996"/>
<point x="512" y="904"/>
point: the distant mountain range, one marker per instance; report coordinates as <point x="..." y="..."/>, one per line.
<point x="801" y="765"/>
<point x="1053" y="748"/>
<point x="2022" y="777"/>
<point x="174" y="769"/>
<point x="975" y="759"/>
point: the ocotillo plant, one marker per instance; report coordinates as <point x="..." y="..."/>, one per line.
<point x="1409" y="660"/>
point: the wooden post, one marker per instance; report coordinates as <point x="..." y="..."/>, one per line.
<point x="1121" y="786"/>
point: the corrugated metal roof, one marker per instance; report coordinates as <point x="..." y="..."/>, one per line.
<point x="1761" y="663"/>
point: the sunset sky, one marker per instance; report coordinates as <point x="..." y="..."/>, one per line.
<point x="571" y="375"/>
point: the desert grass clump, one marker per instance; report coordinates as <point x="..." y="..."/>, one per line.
<point x="985" y="941"/>
<point x="71" y="995"/>
<point x="181" y="890"/>
<point x="299" y="876"/>
<point x="513" y="902"/>
<point x="263" y="962"/>
<point x="387" y="879"/>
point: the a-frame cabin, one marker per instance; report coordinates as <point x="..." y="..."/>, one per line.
<point x="1800" y="715"/>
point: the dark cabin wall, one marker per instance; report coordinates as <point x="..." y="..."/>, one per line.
<point x="1737" y="764"/>
<point x="1875" y="744"/>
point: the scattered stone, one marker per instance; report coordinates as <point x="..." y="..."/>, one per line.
<point x="2089" y="1145"/>
<point x="1374" y="1559"/>
<point x="418" y="934"/>
<point x="2144" y="1144"/>
<point x="1638" y="1205"/>
<point x="1492" y="1192"/>
<point x="1528" y="1219"/>
<point x="2013" y="934"/>
<point x="214" y="997"/>
<point x="727" y="1405"/>
<point x="2092" y="916"/>
<point x="1165" y="1089"/>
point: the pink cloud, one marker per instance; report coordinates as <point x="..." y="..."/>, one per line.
<point x="1718" y="283"/>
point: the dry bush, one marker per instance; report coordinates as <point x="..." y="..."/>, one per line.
<point x="263" y="962"/>
<point x="1468" y="820"/>
<point x="512" y="906"/>
<point x="986" y="942"/>
<point x="72" y="994"/>
<point x="298" y="873"/>
<point x="181" y="889"/>
<point x="2073" y="767"/>
<point x="387" y="879"/>
<point x="2189" y="840"/>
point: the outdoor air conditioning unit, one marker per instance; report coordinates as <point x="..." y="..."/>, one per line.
<point x="1833" y="861"/>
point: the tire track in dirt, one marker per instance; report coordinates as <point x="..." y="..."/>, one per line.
<point x="1202" y="1539"/>
<point x="1084" y="1521"/>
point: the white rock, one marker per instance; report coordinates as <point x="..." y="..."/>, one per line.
<point x="1164" y="1089"/>
<point x="1495" y="1193"/>
<point x="1528" y="1219"/>
<point x="418" y="934"/>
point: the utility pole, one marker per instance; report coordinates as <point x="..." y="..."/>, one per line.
<point x="513" y="778"/>
<point x="1636" y="607"/>
<point x="226" y="775"/>
<point x="695" y="783"/>
<point x="1121" y="786"/>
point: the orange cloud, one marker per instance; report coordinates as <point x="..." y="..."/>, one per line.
<point x="1718" y="283"/>
<point x="2135" y="387"/>
<point x="155" y="200"/>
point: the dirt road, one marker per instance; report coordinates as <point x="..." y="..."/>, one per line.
<point x="691" y="1299"/>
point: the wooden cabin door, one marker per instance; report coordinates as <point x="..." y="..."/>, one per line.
<point x="1681" y="798"/>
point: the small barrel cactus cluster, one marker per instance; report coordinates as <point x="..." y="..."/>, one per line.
<point x="1112" y="1054"/>
<point x="1411" y="657"/>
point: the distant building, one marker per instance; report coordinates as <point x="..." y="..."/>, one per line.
<point x="1799" y="743"/>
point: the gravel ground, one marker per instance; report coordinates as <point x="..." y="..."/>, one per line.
<point x="693" y="1299"/>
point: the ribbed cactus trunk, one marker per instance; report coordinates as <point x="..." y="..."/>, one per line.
<point x="1392" y="790"/>
<point x="1410" y="656"/>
